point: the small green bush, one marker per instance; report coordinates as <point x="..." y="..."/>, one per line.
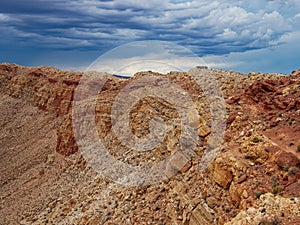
<point x="274" y="183"/>
<point x="257" y="194"/>
<point x="255" y="139"/>
<point x="298" y="148"/>
<point x="276" y="190"/>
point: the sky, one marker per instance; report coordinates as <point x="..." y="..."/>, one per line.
<point x="245" y="36"/>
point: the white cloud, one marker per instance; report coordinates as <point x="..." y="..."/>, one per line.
<point x="4" y="17"/>
<point x="278" y="59"/>
<point x="149" y="55"/>
<point x="228" y="34"/>
<point x="194" y="23"/>
<point x="130" y="66"/>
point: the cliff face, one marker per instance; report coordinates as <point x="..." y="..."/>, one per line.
<point x="253" y="180"/>
<point x="48" y="89"/>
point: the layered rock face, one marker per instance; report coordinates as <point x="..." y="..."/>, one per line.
<point x="45" y="178"/>
<point x="48" y="89"/>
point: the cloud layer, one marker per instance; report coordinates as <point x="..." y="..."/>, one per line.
<point x="206" y="27"/>
<point x="216" y="27"/>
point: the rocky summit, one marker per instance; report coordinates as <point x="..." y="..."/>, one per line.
<point x="48" y="175"/>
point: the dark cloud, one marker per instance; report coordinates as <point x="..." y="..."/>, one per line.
<point x="18" y="7"/>
<point x="206" y="27"/>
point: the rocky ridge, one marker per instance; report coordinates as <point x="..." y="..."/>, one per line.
<point x="253" y="180"/>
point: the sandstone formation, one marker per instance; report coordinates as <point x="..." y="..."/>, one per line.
<point x="45" y="178"/>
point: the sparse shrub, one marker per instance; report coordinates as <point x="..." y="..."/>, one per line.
<point x="293" y="170"/>
<point x="274" y="183"/>
<point x="257" y="194"/>
<point x="298" y="148"/>
<point x="276" y="190"/>
<point x="255" y="139"/>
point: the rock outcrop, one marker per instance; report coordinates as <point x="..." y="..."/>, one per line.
<point x="48" y="89"/>
<point x="45" y="178"/>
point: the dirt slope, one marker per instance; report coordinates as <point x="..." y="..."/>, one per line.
<point x="44" y="179"/>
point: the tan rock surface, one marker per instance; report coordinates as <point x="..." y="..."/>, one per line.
<point x="45" y="179"/>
